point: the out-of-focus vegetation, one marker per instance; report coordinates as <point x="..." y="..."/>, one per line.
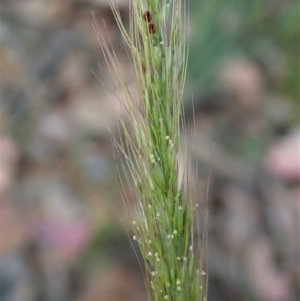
<point x="265" y="31"/>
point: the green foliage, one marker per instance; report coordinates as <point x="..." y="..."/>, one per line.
<point x="165" y="228"/>
<point x="109" y="240"/>
<point x="258" y="29"/>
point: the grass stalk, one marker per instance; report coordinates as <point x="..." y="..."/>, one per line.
<point x="165" y="230"/>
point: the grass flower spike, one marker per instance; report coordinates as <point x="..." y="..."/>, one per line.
<point x="165" y="229"/>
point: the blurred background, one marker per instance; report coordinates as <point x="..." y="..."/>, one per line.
<point x="63" y="227"/>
